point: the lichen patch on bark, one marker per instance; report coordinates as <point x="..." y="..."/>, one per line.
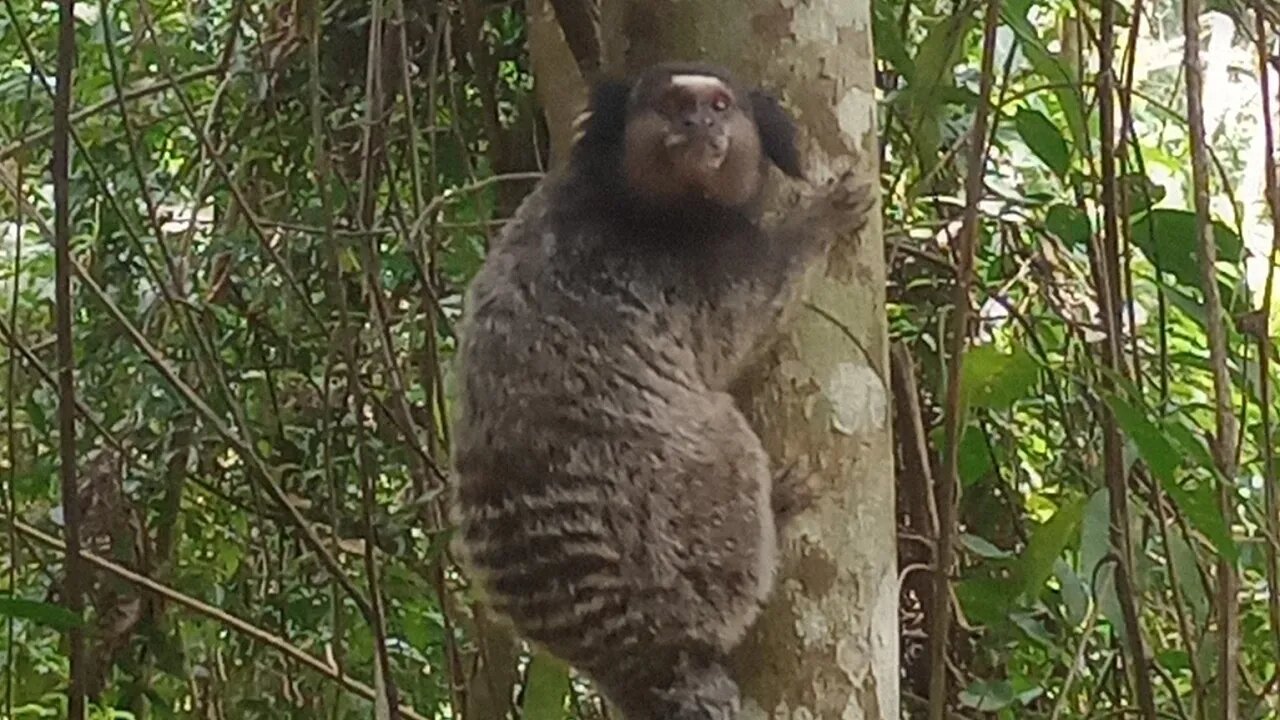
<point x="858" y="399"/>
<point x="856" y="112"/>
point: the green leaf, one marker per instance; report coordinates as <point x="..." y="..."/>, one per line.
<point x="935" y="62"/>
<point x="975" y="456"/>
<point x="1042" y="136"/>
<point x="547" y="687"/>
<point x="1095" y="534"/>
<point x="41" y="613"/>
<point x="1206" y="658"/>
<point x="1074" y="596"/>
<point x="419" y="629"/>
<point x="983" y="548"/>
<point x="996" y="380"/>
<point x="1143" y="192"/>
<point x="1168" y="238"/>
<point x="1183" y="562"/>
<point x="1014" y="15"/>
<point x="940" y="51"/>
<point x="1027" y="692"/>
<point x="1152" y="444"/>
<point x="985" y="696"/>
<point x="1070" y="224"/>
<point x="1174" y="659"/>
<point x="889" y="43"/>
<point x="1192" y="445"/>
<point x="1030" y="624"/>
<point x="985" y="600"/>
<point x="1046" y="545"/>
<point x="1109" y="599"/>
<point x="1097" y="568"/>
<point x="1200" y="506"/>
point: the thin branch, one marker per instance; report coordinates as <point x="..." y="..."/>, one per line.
<point x="8" y="334"/>
<point x="320" y="148"/>
<point x="11" y="405"/>
<point x="88" y="111"/>
<point x="250" y="213"/>
<point x="371" y="151"/>
<point x="167" y="292"/>
<point x="172" y="290"/>
<point x="217" y="615"/>
<point x="256" y="463"/>
<point x="1175" y="592"/>
<point x="1224" y="417"/>
<point x="430" y="372"/>
<point x="918" y="479"/>
<point x="1266" y="345"/>
<point x="1111" y="303"/>
<point x="456" y="193"/>
<point x="949" y="482"/>
<point x="580" y="22"/>
<point x="73" y="581"/>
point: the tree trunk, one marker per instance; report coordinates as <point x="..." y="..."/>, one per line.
<point x="827" y="647"/>
<point x="561" y="90"/>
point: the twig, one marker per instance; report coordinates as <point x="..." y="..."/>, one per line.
<point x="580" y="22"/>
<point x="217" y="615"/>
<point x="250" y="213"/>
<point x="320" y="148"/>
<point x="915" y="443"/>
<point x="1077" y="661"/>
<point x="74" y="574"/>
<point x="88" y="111"/>
<point x="245" y="449"/>
<point x="1225" y="420"/>
<point x="1109" y="298"/>
<point x="28" y="355"/>
<point x="1271" y="476"/>
<point x="430" y="371"/>
<point x="949" y="482"/>
<point x="11" y="405"/>
<point x="371" y="150"/>
<point x="438" y="201"/>
<point x="1175" y="593"/>
<point x="180" y="309"/>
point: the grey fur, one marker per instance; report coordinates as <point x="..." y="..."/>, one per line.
<point x="613" y="502"/>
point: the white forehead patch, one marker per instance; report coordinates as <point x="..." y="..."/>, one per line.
<point x="697" y="82"/>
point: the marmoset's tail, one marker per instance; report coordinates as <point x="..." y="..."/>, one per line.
<point x="695" y="688"/>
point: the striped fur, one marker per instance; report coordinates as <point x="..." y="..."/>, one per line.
<point x="612" y="501"/>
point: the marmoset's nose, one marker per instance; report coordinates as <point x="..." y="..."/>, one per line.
<point x="700" y="117"/>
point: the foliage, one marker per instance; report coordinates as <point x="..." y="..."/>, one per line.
<point x="1043" y="626"/>
<point x="278" y="243"/>
<point x="220" y="212"/>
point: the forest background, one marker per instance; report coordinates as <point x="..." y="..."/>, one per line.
<point x="275" y="206"/>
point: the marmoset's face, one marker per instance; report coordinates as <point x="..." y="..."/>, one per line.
<point x="690" y="137"/>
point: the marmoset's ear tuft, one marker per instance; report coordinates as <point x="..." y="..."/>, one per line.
<point x="778" y="133"/>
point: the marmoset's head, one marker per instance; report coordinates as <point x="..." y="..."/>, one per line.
<point x="685" y="132"/>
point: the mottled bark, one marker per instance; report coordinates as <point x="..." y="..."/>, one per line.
<point x="558" y="81"/>
<point x="827" y="647"/>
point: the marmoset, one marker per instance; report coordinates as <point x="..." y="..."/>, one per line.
<point x="613" y="503"/>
